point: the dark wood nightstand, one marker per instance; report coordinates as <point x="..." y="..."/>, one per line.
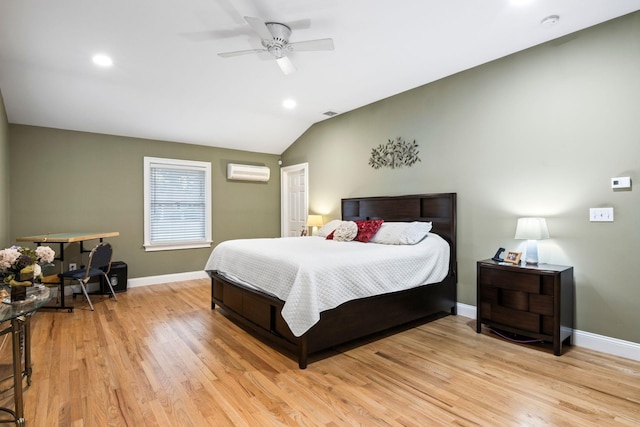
<point x="534" y="301"/>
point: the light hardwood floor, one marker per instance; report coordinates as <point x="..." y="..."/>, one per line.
<point x="161" y="357"/>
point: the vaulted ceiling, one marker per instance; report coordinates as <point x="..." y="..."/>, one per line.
<point x="167" y="81"/>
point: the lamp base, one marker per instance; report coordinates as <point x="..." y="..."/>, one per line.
<point x="532" y="252"/>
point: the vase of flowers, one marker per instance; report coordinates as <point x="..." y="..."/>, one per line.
<point x="21" y="267"/>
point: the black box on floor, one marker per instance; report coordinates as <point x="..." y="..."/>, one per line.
<point x="117" y="276"/>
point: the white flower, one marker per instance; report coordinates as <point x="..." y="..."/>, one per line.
<point x="37" y="270"/>
<point x="8" y="257"/>
<point x="45" y="254"/>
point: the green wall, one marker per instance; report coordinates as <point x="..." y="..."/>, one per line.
<point x="4" y="175"/>
<point x="538" y="133"/>
<point x="65" y="181"/>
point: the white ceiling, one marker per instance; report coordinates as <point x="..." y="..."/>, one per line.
<point x="168" y="82"/>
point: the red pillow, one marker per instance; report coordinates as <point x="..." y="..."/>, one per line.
<point x="367" y="228"/>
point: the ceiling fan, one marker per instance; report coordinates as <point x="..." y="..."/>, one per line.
<point x="275" y="39"/>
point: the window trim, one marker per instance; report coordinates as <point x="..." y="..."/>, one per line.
<point x="155" y="162"/>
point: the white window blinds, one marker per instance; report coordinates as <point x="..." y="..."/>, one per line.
<point x="177" y="204"/>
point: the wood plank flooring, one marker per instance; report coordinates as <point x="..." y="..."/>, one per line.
<point x="161" y="357"/>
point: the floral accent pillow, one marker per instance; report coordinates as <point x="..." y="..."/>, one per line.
<point x="329" y="227"/>
<point x="345" y="232"/>
<point x="367" y="228"/>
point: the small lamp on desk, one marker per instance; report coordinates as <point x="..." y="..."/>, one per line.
<point x="532" y="230"/>
<point x="314" y="221"/>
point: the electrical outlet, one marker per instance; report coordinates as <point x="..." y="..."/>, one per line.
<point x="601" y="214"/>
<point x="72" y="266"/>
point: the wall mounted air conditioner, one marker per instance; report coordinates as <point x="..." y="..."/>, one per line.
<point x="248" y="172"/>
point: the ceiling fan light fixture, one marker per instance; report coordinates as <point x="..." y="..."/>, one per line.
<point x="286" y="65"/>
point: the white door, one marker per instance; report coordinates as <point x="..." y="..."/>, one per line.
<point x="294" y="199"/>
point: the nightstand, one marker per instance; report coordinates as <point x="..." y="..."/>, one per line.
<point x="531" y="300"/>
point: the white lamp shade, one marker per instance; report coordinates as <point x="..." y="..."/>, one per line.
<point x="532" y="229"/>
<point x="314" y="221"/>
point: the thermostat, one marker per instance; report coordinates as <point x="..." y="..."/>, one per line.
<point x="621" y="182"/>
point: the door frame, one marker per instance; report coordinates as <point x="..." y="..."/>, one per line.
<point x="284" y="199"/>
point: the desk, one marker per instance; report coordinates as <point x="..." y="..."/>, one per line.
<point x="19" y="316"/>
<point x="62" y="239"/>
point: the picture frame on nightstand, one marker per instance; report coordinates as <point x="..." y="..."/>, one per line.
<point x="513" y="257"/>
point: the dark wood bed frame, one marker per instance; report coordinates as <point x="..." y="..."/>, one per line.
<point x="261" y="312"/>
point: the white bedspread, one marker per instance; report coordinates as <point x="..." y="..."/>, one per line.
<point x="312" y="274"/>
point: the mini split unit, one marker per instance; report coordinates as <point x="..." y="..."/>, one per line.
<point x="248" y="172"/>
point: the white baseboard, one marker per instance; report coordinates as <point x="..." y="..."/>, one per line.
<point x="604" y="344"/>
<point x="136" y="282"/>
<point x="166" y="278"/>
<point x="466" y="310"/>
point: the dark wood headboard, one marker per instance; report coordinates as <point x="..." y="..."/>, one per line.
<point x="439" y="208"/>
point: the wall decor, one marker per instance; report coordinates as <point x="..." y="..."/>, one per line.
<point x="394" y="154"/>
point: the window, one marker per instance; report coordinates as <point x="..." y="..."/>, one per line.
<point x="177" y="204"/>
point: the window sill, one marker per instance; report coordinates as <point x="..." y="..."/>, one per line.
<point x="176" y="246"/>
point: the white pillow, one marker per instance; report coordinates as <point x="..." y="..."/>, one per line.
<point x="401" y="233"/>
<point x="346" y="232"/>
<point x="329" y="227"/>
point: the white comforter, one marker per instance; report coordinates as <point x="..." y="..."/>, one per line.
<point x="312" y="274"/>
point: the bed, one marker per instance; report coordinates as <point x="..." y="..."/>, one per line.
<point x="269" y="316"/>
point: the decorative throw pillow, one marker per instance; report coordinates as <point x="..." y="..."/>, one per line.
<point x="345" y="232"/>
<point x="367" y="228"/>
<point x="402" y="233"/>
<point x="329" y="227"/>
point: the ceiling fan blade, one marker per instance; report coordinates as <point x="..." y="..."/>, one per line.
<point x="300" y="24"/>
<point x="241" y="52"/>
<point x="285" y="64"/>
<point x="309" y="45"/>
<point x="259" y="27"/>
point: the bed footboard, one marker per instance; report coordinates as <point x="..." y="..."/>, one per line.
<point x="261" y="313"/>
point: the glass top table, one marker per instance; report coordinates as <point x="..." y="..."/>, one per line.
<point x="36" y="298"/>
<point x="18" y="314"/>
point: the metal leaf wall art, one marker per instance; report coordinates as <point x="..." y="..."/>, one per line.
<point x="394" y="154"/>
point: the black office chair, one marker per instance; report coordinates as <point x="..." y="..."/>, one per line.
<point x="99" y="264"/>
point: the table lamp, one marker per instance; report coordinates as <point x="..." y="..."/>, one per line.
<point x="532" y="230"/>
<point x="314" y="221"/>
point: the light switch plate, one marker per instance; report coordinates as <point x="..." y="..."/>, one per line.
<point x="601" y="214"/>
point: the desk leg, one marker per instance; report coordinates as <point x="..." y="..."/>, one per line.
<point x="27" y="348"/>
<point x="60" y="285"/>
<point x="17" y="371"/>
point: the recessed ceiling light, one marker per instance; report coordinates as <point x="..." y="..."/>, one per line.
<point x="550" y="21"/>
<point x="289" y="103"/>
<point x="102" y="60"/>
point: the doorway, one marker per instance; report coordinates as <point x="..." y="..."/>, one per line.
<point x="294" y="196"/>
